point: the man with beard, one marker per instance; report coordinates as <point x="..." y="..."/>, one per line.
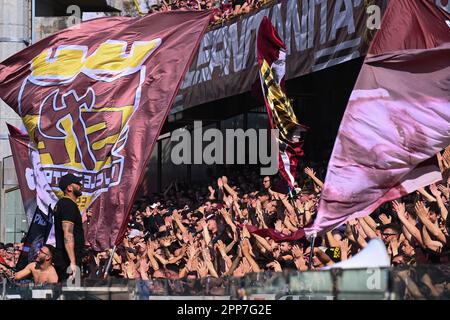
<point x="41" y="270"/>
<point x="69" y="227"/>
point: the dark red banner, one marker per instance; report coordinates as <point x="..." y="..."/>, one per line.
<point x="21" y="154"/>
<point x="94" y="98"/>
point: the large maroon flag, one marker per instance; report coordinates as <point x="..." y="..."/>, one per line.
<point x="397" y="118"/>
<point x="271" y="53"/>
<point x="94" y="98"/>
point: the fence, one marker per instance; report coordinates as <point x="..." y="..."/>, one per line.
<point x="407" y="283"/>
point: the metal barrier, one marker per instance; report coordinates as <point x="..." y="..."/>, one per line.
<point x="424" y="282"/>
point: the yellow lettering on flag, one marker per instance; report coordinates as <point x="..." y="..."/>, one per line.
<point x="110" y="57"/>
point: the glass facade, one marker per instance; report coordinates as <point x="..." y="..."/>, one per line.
<point x="169" y="170"/>
<point x="16" y="224"/>
<point x="161" y="165"/>
<point x="13" y="220"/>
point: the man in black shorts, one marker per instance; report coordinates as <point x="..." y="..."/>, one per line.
<point x="68" y="227"/>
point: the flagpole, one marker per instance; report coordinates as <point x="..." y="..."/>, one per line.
<point x="109" y="262"/>
<point x="311" y="253"/>
<point x="138" y="8"/>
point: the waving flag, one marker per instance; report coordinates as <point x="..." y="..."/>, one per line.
<point x="397" y="118"/>
<point x="37" y="196"/>
<point x="35" y="191"/>
<point x="94" y="98"/>
<point x="271" y="53"/>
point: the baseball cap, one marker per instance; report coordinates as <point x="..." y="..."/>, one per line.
<point x="67" y="180"/>
<point x="134" y="233"/>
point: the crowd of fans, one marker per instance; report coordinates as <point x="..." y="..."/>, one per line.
<point x="213" y="229"/>
<point x="222" y="9"/>
<point x="208" y="230"/>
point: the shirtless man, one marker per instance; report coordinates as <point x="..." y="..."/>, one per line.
<point x="41" y="270"/>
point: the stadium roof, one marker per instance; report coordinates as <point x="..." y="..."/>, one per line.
<point x="52" y="8"/>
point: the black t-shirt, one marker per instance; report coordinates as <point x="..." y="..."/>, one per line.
<point x="67" y="210"/>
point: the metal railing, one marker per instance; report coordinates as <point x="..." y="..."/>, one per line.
<point x="408" y="283"/>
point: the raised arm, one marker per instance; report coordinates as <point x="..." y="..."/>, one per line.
<point x="205" y="231"/>
<point x="211" y="193"/>
<point x="435" y="246"/>
<point x="235" y="264"/>
<point x="370" y="222"/>
<point x="259" y="214"/>
<point x="331" y="240"/>
<point x="323" y="257"/>
<point x="367" y="229"/>
<point x="176" y="216"/>
<point x="264" y="243"/>
<point x="308" y="211"/>
<point x="228" y="188"/>
<point x="356" y="232"/>
<point x="299" y="259"/>
<point x="284" y="199"/>
<point x="437" y="194"/>
<point x="236" y="207"/>
<point x="227" y="217"/>
<point x="220" y="246"/>
<point x="246" y="251"/>
<point x="151" y="255"/>
<point x="208" y="261"/>
<point x="310" y="172"/>
<point x="422" y="213"/>
<point x="428" y="196"/>
<point x="412" y="229"/>
<point x="287" y="222"/>
<point x="179" y="256"/>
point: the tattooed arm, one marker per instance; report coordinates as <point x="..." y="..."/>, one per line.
<point x="69" y="243"/>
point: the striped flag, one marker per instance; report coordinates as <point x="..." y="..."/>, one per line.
<point x="271" y="53"/>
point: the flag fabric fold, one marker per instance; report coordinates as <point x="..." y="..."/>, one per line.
<point x="271" y="53"/>
<point x="274" y="234"/>
<point x="397" y="118"/>
<point x="94" y="98"/>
